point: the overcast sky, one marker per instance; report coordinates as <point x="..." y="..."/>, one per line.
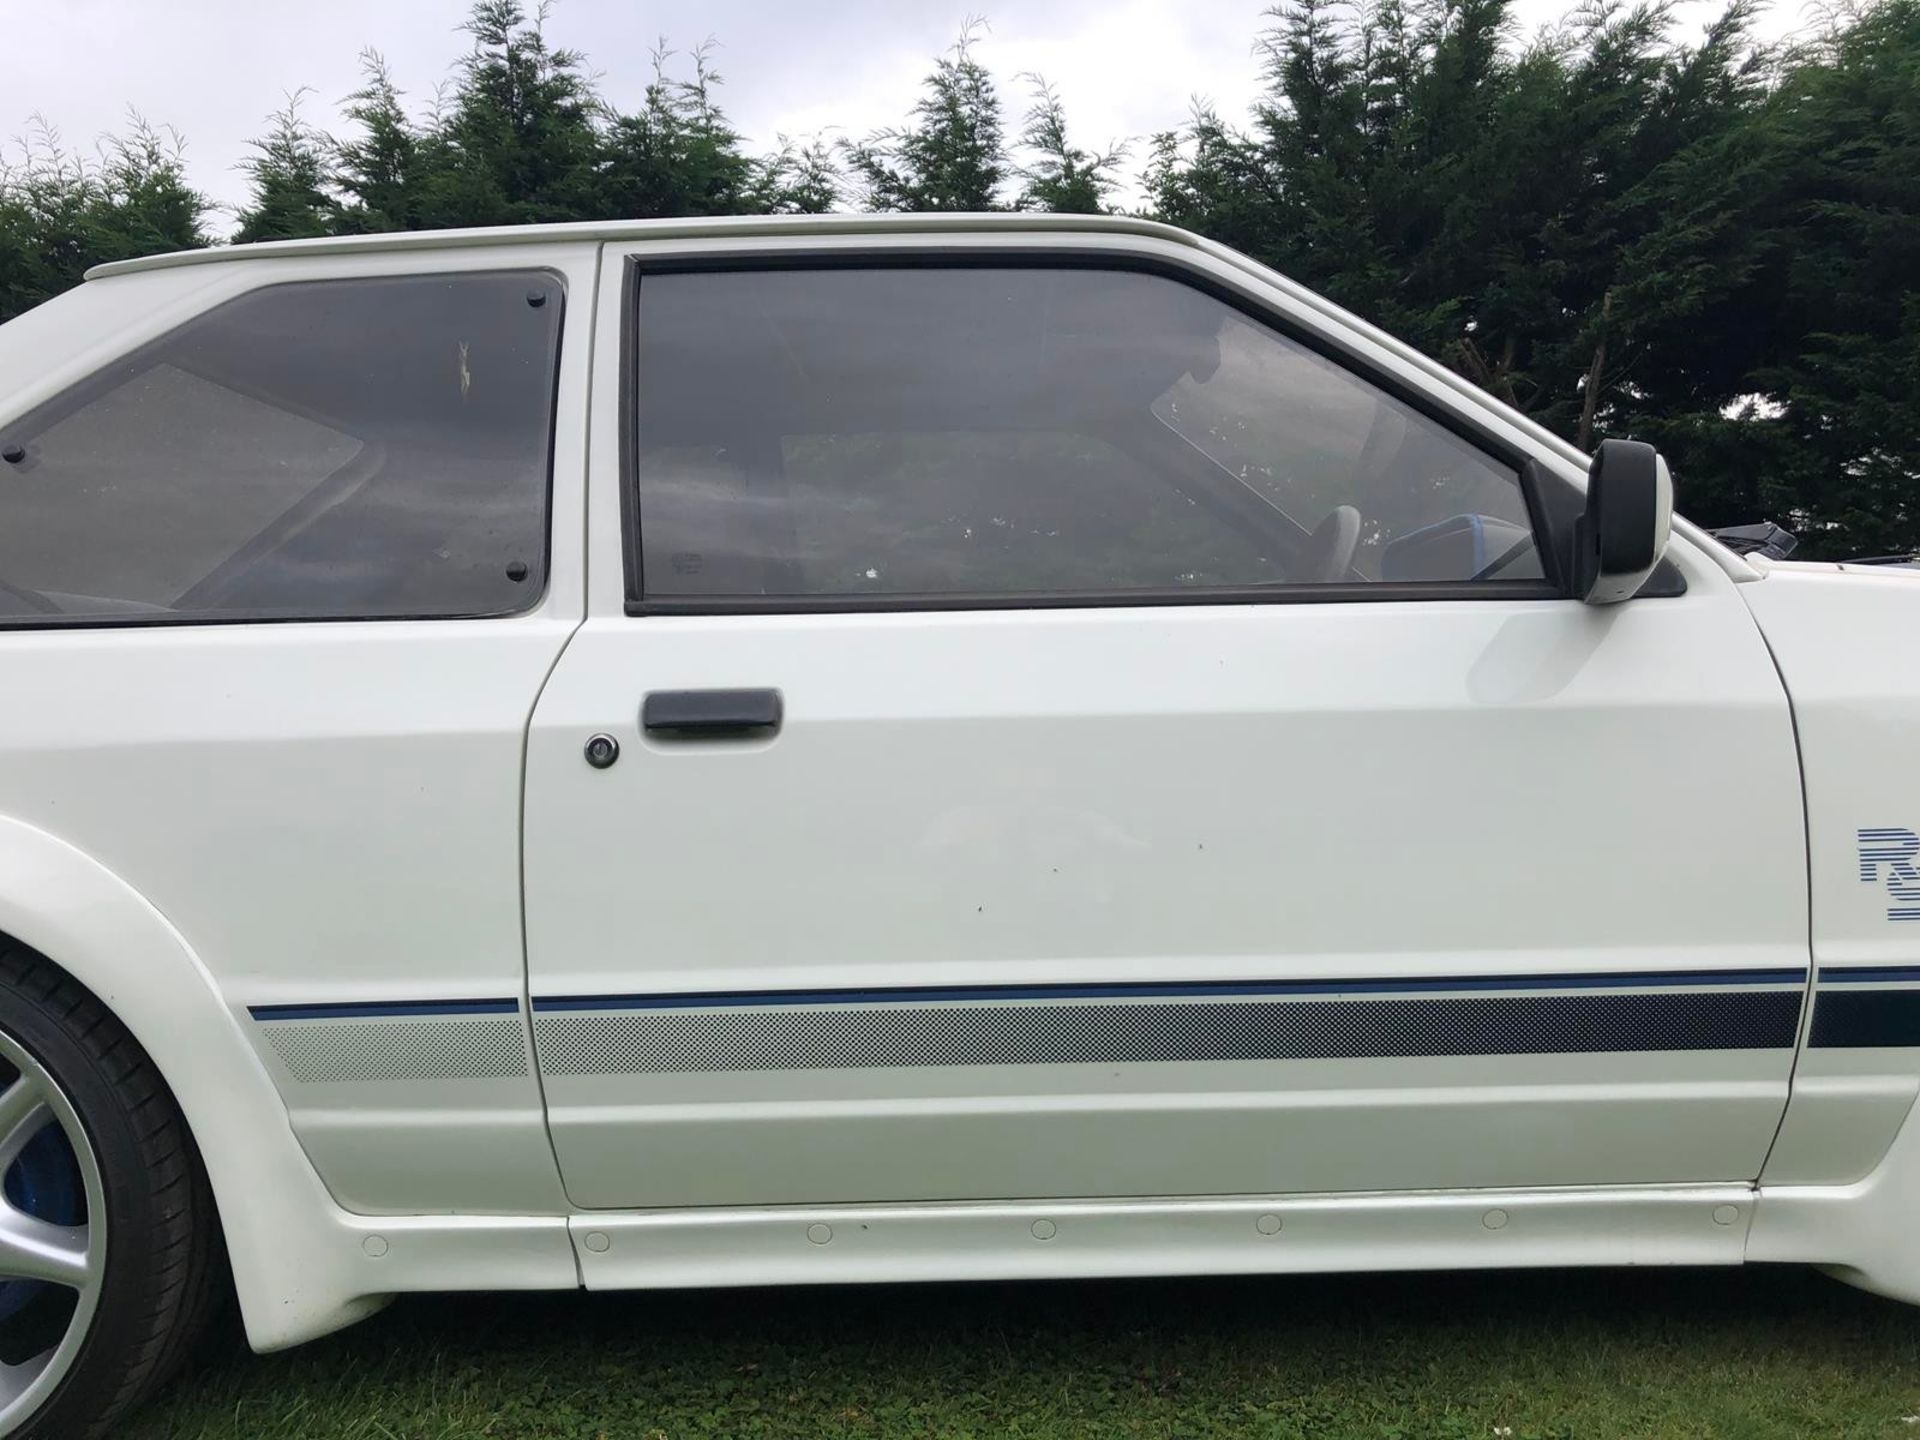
<point x="214" y="68"/>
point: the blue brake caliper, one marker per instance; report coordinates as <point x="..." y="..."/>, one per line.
<point x="44" y="1182"/>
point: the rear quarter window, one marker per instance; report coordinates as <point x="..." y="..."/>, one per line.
<point x="335" y="449"/>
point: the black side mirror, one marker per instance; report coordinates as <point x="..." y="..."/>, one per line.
<point x="1622" y="533"/>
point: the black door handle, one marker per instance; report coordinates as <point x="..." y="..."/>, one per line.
<point x="697" y="714"/>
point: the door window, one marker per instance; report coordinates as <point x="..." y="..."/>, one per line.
<point x="955" y="432"/>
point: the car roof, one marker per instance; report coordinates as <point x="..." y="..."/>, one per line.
<point x="798" y="226"/>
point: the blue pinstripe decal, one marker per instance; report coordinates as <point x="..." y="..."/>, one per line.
<point x="1404" y="985"/>
<point x="383" y="1009"/>
<point x="1869" y="974"/>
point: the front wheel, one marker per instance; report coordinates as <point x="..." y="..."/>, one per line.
<point x="107" y="1263"/>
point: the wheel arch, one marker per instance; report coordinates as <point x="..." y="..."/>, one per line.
<point x="282" y="1231"/>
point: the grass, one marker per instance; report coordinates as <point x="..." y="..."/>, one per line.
<point x="1738" y="1354"/>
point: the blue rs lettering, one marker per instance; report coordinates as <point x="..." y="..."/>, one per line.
<point x="1887" y="856"/>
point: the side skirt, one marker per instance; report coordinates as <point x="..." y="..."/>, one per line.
<point x="858" y="1244"/>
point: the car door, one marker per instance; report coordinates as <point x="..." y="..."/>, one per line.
<point x="1072" y="724"/>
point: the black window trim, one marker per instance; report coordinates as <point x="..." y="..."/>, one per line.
<point x="91" y="385"/>
<point x="1549" y="516"/>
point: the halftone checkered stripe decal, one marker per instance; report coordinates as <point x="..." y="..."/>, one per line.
<point x="397" y="1040"/>
<point x="401" y="1050"/>
<point x="1867" y="1007"/>
<point x="1094" y="1024"/>
<point x="597" y="1038"/>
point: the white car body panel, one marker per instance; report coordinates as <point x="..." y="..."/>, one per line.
<point x="1036" y="1240"/>
<point x="955" y="774"/>
<point x="204" y="823"/>
<point x="389" y="757"/>
<point x="390" y="762"/>
<point x="1838" y="634"/>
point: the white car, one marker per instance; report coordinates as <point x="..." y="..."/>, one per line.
<point x="809" y="750"/>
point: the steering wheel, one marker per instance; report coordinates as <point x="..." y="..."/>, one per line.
<point x="36" y="603"/>
<point x="1327" y="557"/>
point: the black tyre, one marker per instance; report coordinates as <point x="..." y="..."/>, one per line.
<point x="109" y="1265"/>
